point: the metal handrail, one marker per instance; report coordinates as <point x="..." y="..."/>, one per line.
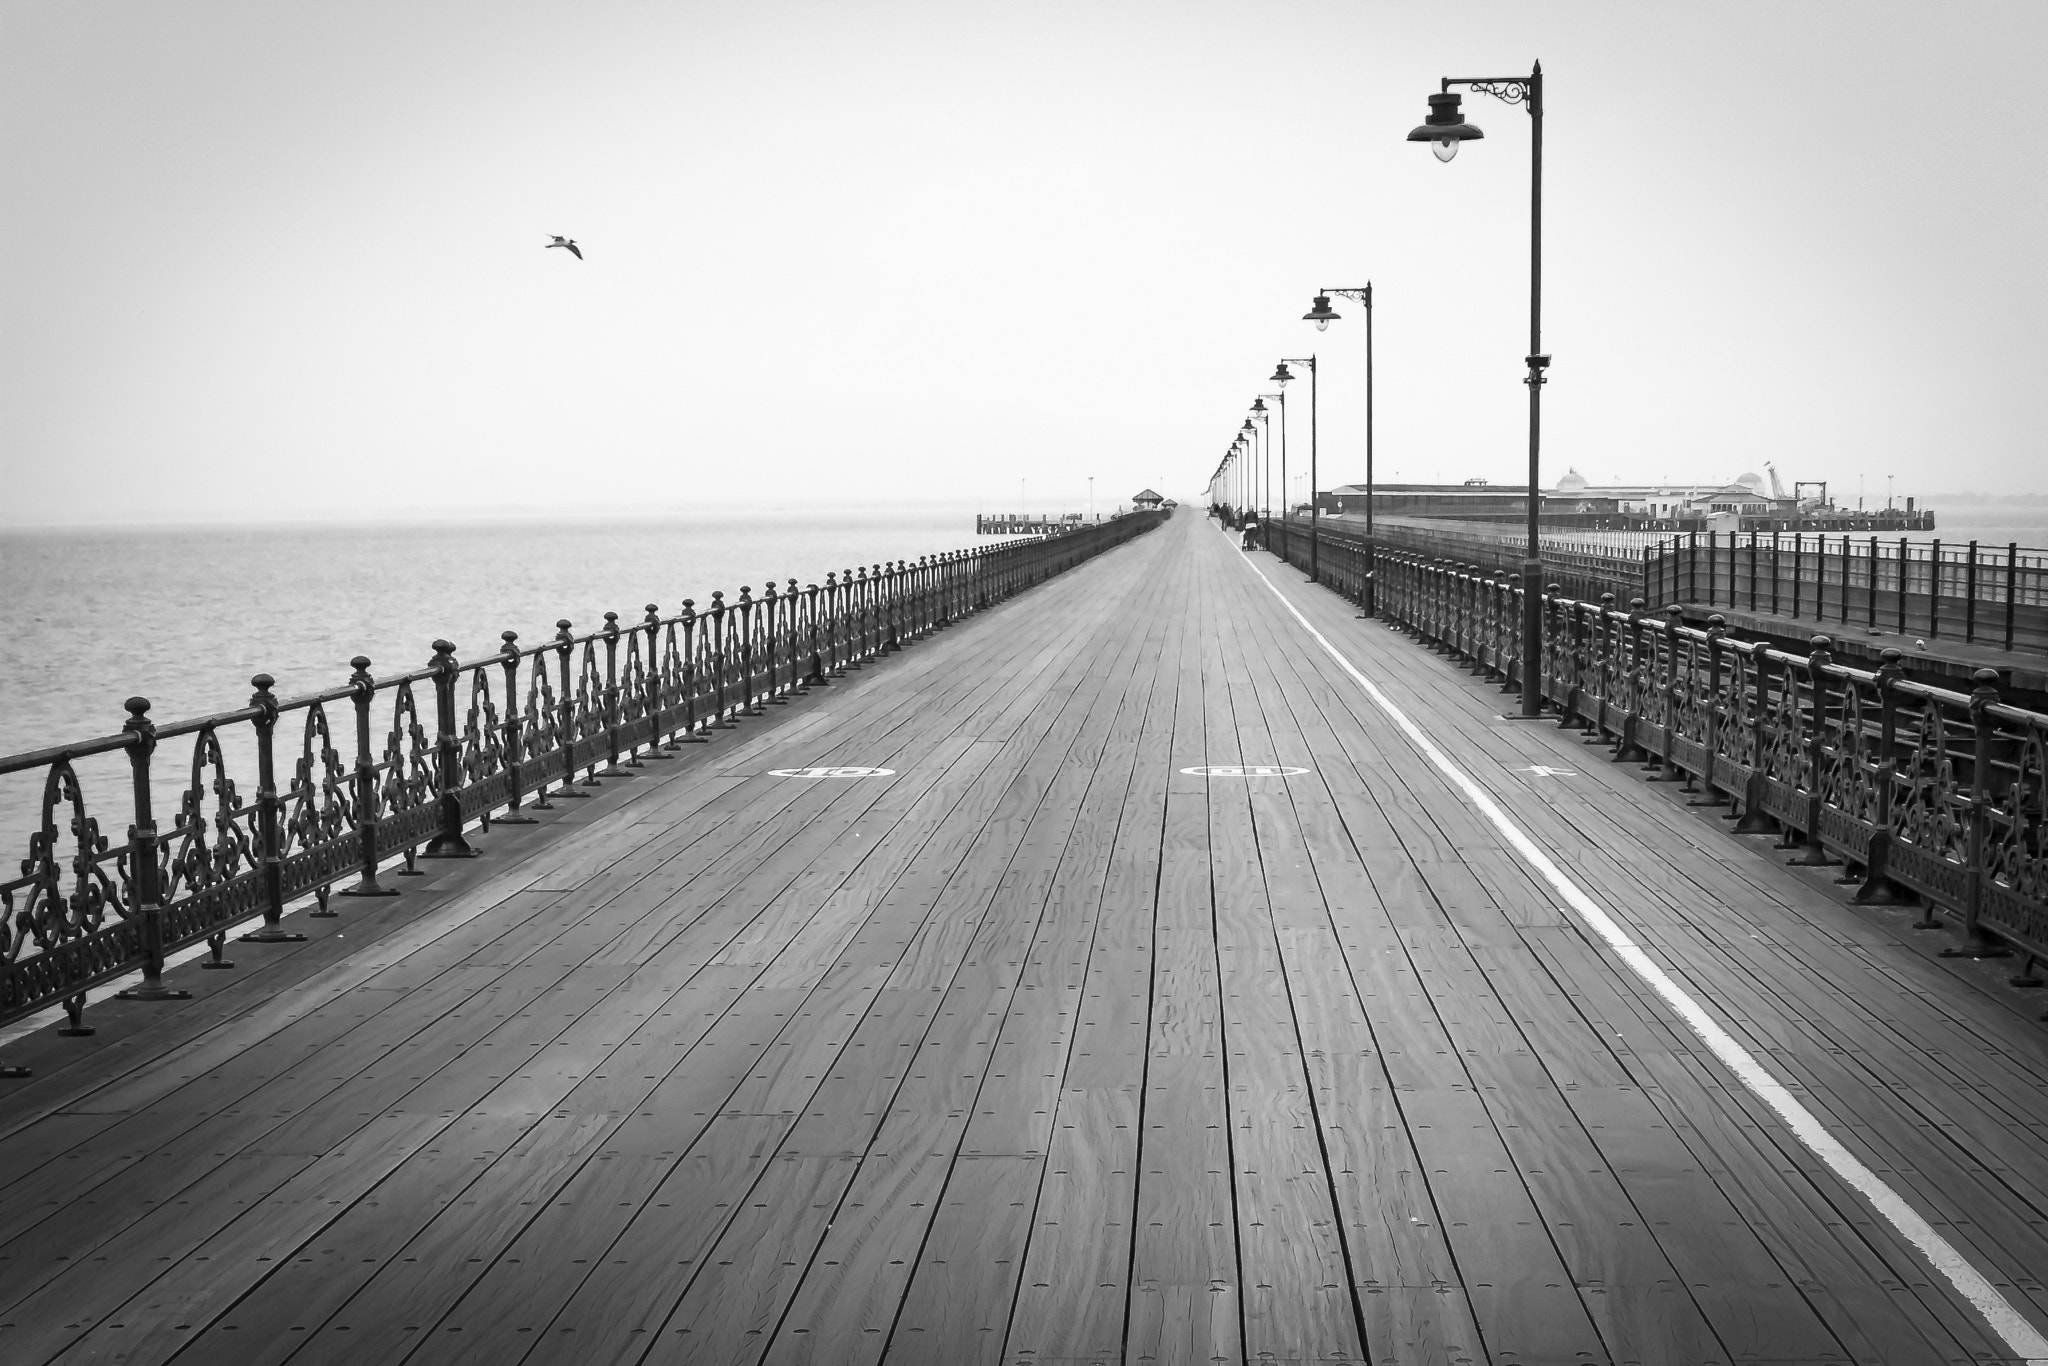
<point x="1926" y="795"/>
<point x="437" y="752"/>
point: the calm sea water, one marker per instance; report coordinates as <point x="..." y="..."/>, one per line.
<point x="184" y="616"/>
<point x="1989" y="524"/>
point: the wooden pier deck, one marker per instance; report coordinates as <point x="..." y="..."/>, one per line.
<point x="1041" y="1048"/>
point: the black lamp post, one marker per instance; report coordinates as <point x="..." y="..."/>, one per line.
<point x="1264" y="415"/>
<point x="1249" y="435"/>
<point x="1444" y="129"/>
<point x="1282" y="376"/>
<point x="1322" y="315"/>
<point x="1262" y="458"/>
<point x="1286" y="495"/>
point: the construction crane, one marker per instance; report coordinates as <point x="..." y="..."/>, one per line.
<point x="1777" y="489"/>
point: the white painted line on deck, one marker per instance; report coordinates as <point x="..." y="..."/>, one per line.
<point x="2006" y="1321"/>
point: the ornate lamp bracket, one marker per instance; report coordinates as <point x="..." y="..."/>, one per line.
<point x="1506" y="89"/>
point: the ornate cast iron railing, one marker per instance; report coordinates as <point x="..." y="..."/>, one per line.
<point x="1977" y="594"/>
<point x="1921" y="794"/>
<point x="404" y="766"/>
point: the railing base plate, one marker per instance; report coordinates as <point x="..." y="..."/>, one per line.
<point x="147" y="994"/>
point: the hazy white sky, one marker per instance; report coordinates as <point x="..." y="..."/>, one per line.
<point x="286" y="258"/>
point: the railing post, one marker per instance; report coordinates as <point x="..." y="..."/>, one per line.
<point x="449" y="843"/>
<point x="1820" y="578"/>
<point x="1608" y="666"/>
<point x="1750" y="820"/>
<point x="269" y="827"/>
<point x="1711" y="794"/>
<point x="1970" y="597"/>
<point x="1819" y="656"/>
<point x="778" y="607"/>
<point x="1777" y="572"/>
<point x="1798" y="571"/>
<point x="888" y="582"/>
<point x="833" y="656"/>
<point x="565" y="645"/>
<point x="691" y="677"/>
<point x="1977" y="942"/>
<point x="1507" y="639"/>
<point x="749" y="703"/>
<point x="1878" y="889"/>
<point x="655" y="662"/>
<point x="1903" y="543"/>
<point x="1630" y="748"/>
<point x="362" y="691"/>
<point x="859" y="613"/>
<point x="915" y="619"/>
<point x="719" y="654"/>
<point x="1848" y="577"/>
<point x="2012" y="585"/>
<point x="1571" y="648"/>
<point x="145" y="873"/>
<point x="612" y="768"/>
<point x="515" y="734"/>
<point x="819" y="671"/>
<point x="1662" y="767"/>
<point x="1871" y="623"/>
<point x="1934" y="590"/>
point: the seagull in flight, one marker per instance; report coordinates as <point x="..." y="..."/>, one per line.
<point x="569" y="242"/>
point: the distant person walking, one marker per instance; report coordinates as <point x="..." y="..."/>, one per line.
<point x="1251" y="533"/>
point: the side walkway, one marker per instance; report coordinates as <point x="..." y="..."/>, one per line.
<point x="1041" y="1047"/>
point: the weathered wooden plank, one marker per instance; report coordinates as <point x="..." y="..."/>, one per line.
<point x="958" y="1305"/>
<point x="1075" y="1283"/>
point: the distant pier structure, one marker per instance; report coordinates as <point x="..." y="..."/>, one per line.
<point x="1017" y="524"/>
<point x="1576" y="504"/>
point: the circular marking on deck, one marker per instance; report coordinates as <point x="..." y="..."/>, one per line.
<point x="830" y="772"/>
<point x="1243" y="771"/>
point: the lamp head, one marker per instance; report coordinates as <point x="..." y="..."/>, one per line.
<point x="1281" y="374"/>
<point x="1321" y="314"/>
<point x="1258" y="408"/>
<point x="1248" y="429"/>
<point x="1445" y="127"/>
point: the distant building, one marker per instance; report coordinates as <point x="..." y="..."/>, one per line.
<point x="1747" y="504"/>
<point x="1148" y="500"/>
